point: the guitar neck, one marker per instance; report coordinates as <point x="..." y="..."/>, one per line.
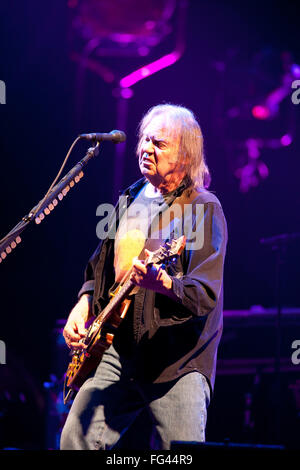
<point x="116" y="300"/>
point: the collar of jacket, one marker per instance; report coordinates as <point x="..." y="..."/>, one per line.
<point x="134" y="189"/>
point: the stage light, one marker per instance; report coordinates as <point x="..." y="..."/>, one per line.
<point x="149" y="69"/>
<point x="260" y="112"/>
<point x="130" y="28"/>
<point x="270" y="106"/>
<point x="295" y="70"/>
<point x="286" y="140"/>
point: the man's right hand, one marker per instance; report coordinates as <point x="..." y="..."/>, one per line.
<point x="74" y="329"/>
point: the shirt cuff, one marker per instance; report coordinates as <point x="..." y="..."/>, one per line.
<point x="177" y="287"/>
<point x="87" y="288"/>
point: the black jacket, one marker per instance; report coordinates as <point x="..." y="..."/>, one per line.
<point x="167" y="339"/>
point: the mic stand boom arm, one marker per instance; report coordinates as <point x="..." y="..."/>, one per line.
<point x="47" y="204"/>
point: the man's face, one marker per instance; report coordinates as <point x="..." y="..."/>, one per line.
<point x="158" y="155"/>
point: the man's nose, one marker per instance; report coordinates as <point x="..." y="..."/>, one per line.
<point x="147" y="146"/>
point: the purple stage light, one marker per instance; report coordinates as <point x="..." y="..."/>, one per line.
<point x="260" y="112"/>
<point x="295" y="70"/>
<point x="286" y="140"/>
<point x="263" y="170"/>
<point x="149" y="69"/>
<point x="126" y="93"/>
<point x="128" y="25"/>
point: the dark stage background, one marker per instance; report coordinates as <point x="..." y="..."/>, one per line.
<point x="235" y="53"/>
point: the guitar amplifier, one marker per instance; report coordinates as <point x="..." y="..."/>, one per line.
<point x="257" y="396"/>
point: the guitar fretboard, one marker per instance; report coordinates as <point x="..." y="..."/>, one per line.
<point x="116" y="300"/>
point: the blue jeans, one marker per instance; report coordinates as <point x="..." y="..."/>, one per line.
<point x="108" y="403"/>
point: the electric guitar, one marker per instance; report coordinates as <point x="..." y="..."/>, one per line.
<point x="100" y="333"/>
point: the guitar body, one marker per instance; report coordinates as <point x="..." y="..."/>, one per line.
<point x="100" y="338"/>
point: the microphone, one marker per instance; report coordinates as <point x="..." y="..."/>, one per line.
<point x="113" y="136"/>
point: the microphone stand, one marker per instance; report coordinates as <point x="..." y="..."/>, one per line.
<point x="279" y="244"/>
<point x="47" y="204"/>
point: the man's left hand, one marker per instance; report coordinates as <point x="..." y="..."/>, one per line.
<point x="151" y="276"/>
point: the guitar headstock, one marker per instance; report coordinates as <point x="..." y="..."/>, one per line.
<point x="167" y="252"/>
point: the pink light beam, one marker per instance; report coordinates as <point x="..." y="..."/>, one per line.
<point x="147" y="70"/>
